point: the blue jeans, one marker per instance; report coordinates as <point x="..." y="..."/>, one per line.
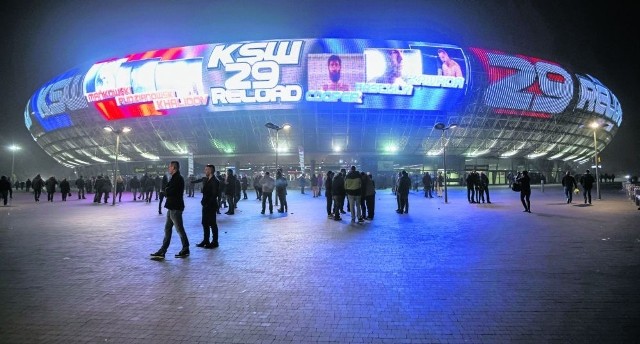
<point x="569" y="193"/>
<point x="174" y="218"/>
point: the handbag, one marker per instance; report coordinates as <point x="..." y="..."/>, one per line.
<point x="516" y="187"/>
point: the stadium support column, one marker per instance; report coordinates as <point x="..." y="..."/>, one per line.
<point x="190" y="164"/>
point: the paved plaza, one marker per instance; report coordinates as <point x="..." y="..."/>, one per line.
<point x="78" y="272"/>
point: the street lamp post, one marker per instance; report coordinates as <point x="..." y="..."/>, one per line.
<point x="443" y="128"/>
<point x="595" y="125"/>
<point x="13" y="149"/>
<point x="277" y="128"/>
<point x="115" y="168"/>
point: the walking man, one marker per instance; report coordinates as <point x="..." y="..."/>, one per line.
<point x="587" y="181"/>
<point x="80" y="186"/>
<point x="569" y="184"/>
<point x="210" y="187"/>
<point x="175" y="206"/>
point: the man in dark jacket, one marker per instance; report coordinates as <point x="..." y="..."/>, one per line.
<point x="484" y="181"/>
<point x="149" y="186"/>
<point x="134" y="186"/>
<point x="404" y="186"/>
<point x="281" y="191"/>
<point x="245" y="184"/>
<point x="328" y="184"/>
<point x="472" y="180"/>
<point x="230" y="191"/>
<point x="209" y="202"/>
<point x="426" y="184"/>
<point x="50" y="185"/>
<point x="338" y="192"/>
<point x="37" y="185"/>
<point x="80" y="186"/>
<point x="65" y="188"/>
<point x="569" y="184"/>
<point x="175" y="206"/>
<point x="98" y="186"/>
<point x="587" y="181"/>
<point x="107" y="187"/>
<point x="143" y="186"/>
<point x="5" y="186"/>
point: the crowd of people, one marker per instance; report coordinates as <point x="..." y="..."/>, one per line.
<point x="219" y="190"/>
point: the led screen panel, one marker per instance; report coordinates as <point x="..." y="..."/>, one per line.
<point x="312" y="73"/>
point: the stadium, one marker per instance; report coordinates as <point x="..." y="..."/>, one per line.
<point x="311" y="105"/>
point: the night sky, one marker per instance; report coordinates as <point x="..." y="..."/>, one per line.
<point x="41" y="40"/>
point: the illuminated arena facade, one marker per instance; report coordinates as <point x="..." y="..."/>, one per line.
<point x="210" y="103"/>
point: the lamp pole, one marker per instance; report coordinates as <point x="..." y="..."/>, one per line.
<point x="115" y="168"/>
<point x="13" y="149"/>
<point x="595" y="125"/>
<point x="595" y="158"/>
<point x="277" y="128"/>
<point x="443" y="128"/>
<point x="277" y="141"/>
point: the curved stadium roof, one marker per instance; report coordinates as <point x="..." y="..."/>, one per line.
<point x="212" y="102"/>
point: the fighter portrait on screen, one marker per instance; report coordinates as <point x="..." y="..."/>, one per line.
<point x="334" y="65"/>
<point x="392" y="66"/>
<point x="393" y="71"/>
<point x="449" y="66"/>
<point x="335" y="72"/>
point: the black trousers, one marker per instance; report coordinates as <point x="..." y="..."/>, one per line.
<point x="587" y="195"/>
<point x="404" y="202"/>
<point x="371" y="205"/>
<point x="525" y="199"/>
<point x="209" y="225"/>
<point x="282" y="197"/>
<point x="329" y="203"/>
<point x="267" y="196"/>
<point x="160" y="203"/>
<point x="338" y="203"/>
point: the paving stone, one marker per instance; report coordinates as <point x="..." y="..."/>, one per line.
<point x="79" y="272"/>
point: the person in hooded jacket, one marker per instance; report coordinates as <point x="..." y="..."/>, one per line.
<point x="65" y="189"/>
<point x="50" y="185"/>
<point x="37" y="184"/>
